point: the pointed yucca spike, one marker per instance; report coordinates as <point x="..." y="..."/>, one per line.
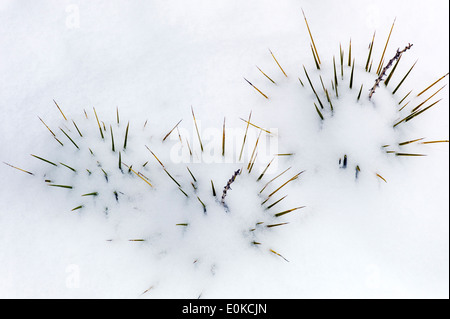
<point x="112" y="139"/>
<point x="43" y="159"/>
<point x="335" y="75"/>
<point x="264" y="171"/>
<point x="71" y="168"/>
<point x="323" y="85"/>
<point x="409" y="154"/>
<point x="411" y="141"/>
<point x="130" y="169"/>
<point x="117" y="115"/>
<point x="273" y="179"/>
<point x="381" y="177"/>
<point x="136" y="239"/>
<point x="357" y="171"/>
<point x="404" y="106"/>
<point x="85" y="114"/>
<point x="213" y="189"/>
<point x="275" y="225"/>
<point x="139" y="173"/>
<point x="98" y="122"/>
<point x="254" y="149"/>
<point x="120" y="160"/>
<point x="370" y="67"/>
<point x="386" y="82"/>
<point x="179" y="135"/>
<point x="258" y="127"/>
<point x="155" y="156"/>
<point x="359" y="94"/>
<point x="196" y="128"/>
<point x="288" y="211"/>
<point x="22" y="170"/>
<point x="182" y="224"/>
<point x="60" y="110"/>
<point x="106" y="174"/>
<point x="403" y="79"/>
<point x="126" y="136"/>
<point x="76" y="208"/>
<point x="189" y="147"/>
<point x="301" y="82"/>
<point x="181" y="190"/>
<point x="418" y="106"/>
<point x="90" y="194"/>
<point x="256" y="89"/>
<point x="192" y="175"/>
<point x="351" y="76"/>
<point x="253" y="163"/>
<point x="310" y="35"/>
<point x="404" y="98"/>
<point x="81" y="135"/>
<point x="284" y="154"/>
<point x="167" y="135"/>
<point x="318" y="112"/>
<point x="58" y="141"/>
<point x="278" y="63"/>
<point x="432" y="142"/>
<point x="62" y="186"/>
<point x="411" y="116"/>
<point x="315" y="59"/>
<point x="69" y="138"/>
<point x="245" y="135"/>
<point x="401" y="121"/>
<point x="288" y="181"/>
<point x="204" y="206"/>
<point x="176" y="182"/>
<point x="384" y="51"/>
<point x="273" y="204"/>
<point x="370" y="53"/>
<point x="47" y="127"/>
<point x="265" y="75"/>
<point x="341" y="56"/>
<point x="312" y="87"/>
<point x="431" y="85"/>
<point x="145" y="124"/>
<point x="336" y="91"/>
<point x="274" y="252"/>
<point x="223" y="138"/>
<point x="350" y="52"/>
<point x="147" y="290"/>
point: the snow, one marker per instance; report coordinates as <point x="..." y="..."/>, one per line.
<point x="356" y="237"/>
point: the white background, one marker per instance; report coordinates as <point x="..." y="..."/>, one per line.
<point x="154" y="59"/>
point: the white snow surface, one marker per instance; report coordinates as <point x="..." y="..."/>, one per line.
<point x="355" y="238"/>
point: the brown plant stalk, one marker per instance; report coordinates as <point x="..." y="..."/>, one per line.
<point x="383" y="72"/>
